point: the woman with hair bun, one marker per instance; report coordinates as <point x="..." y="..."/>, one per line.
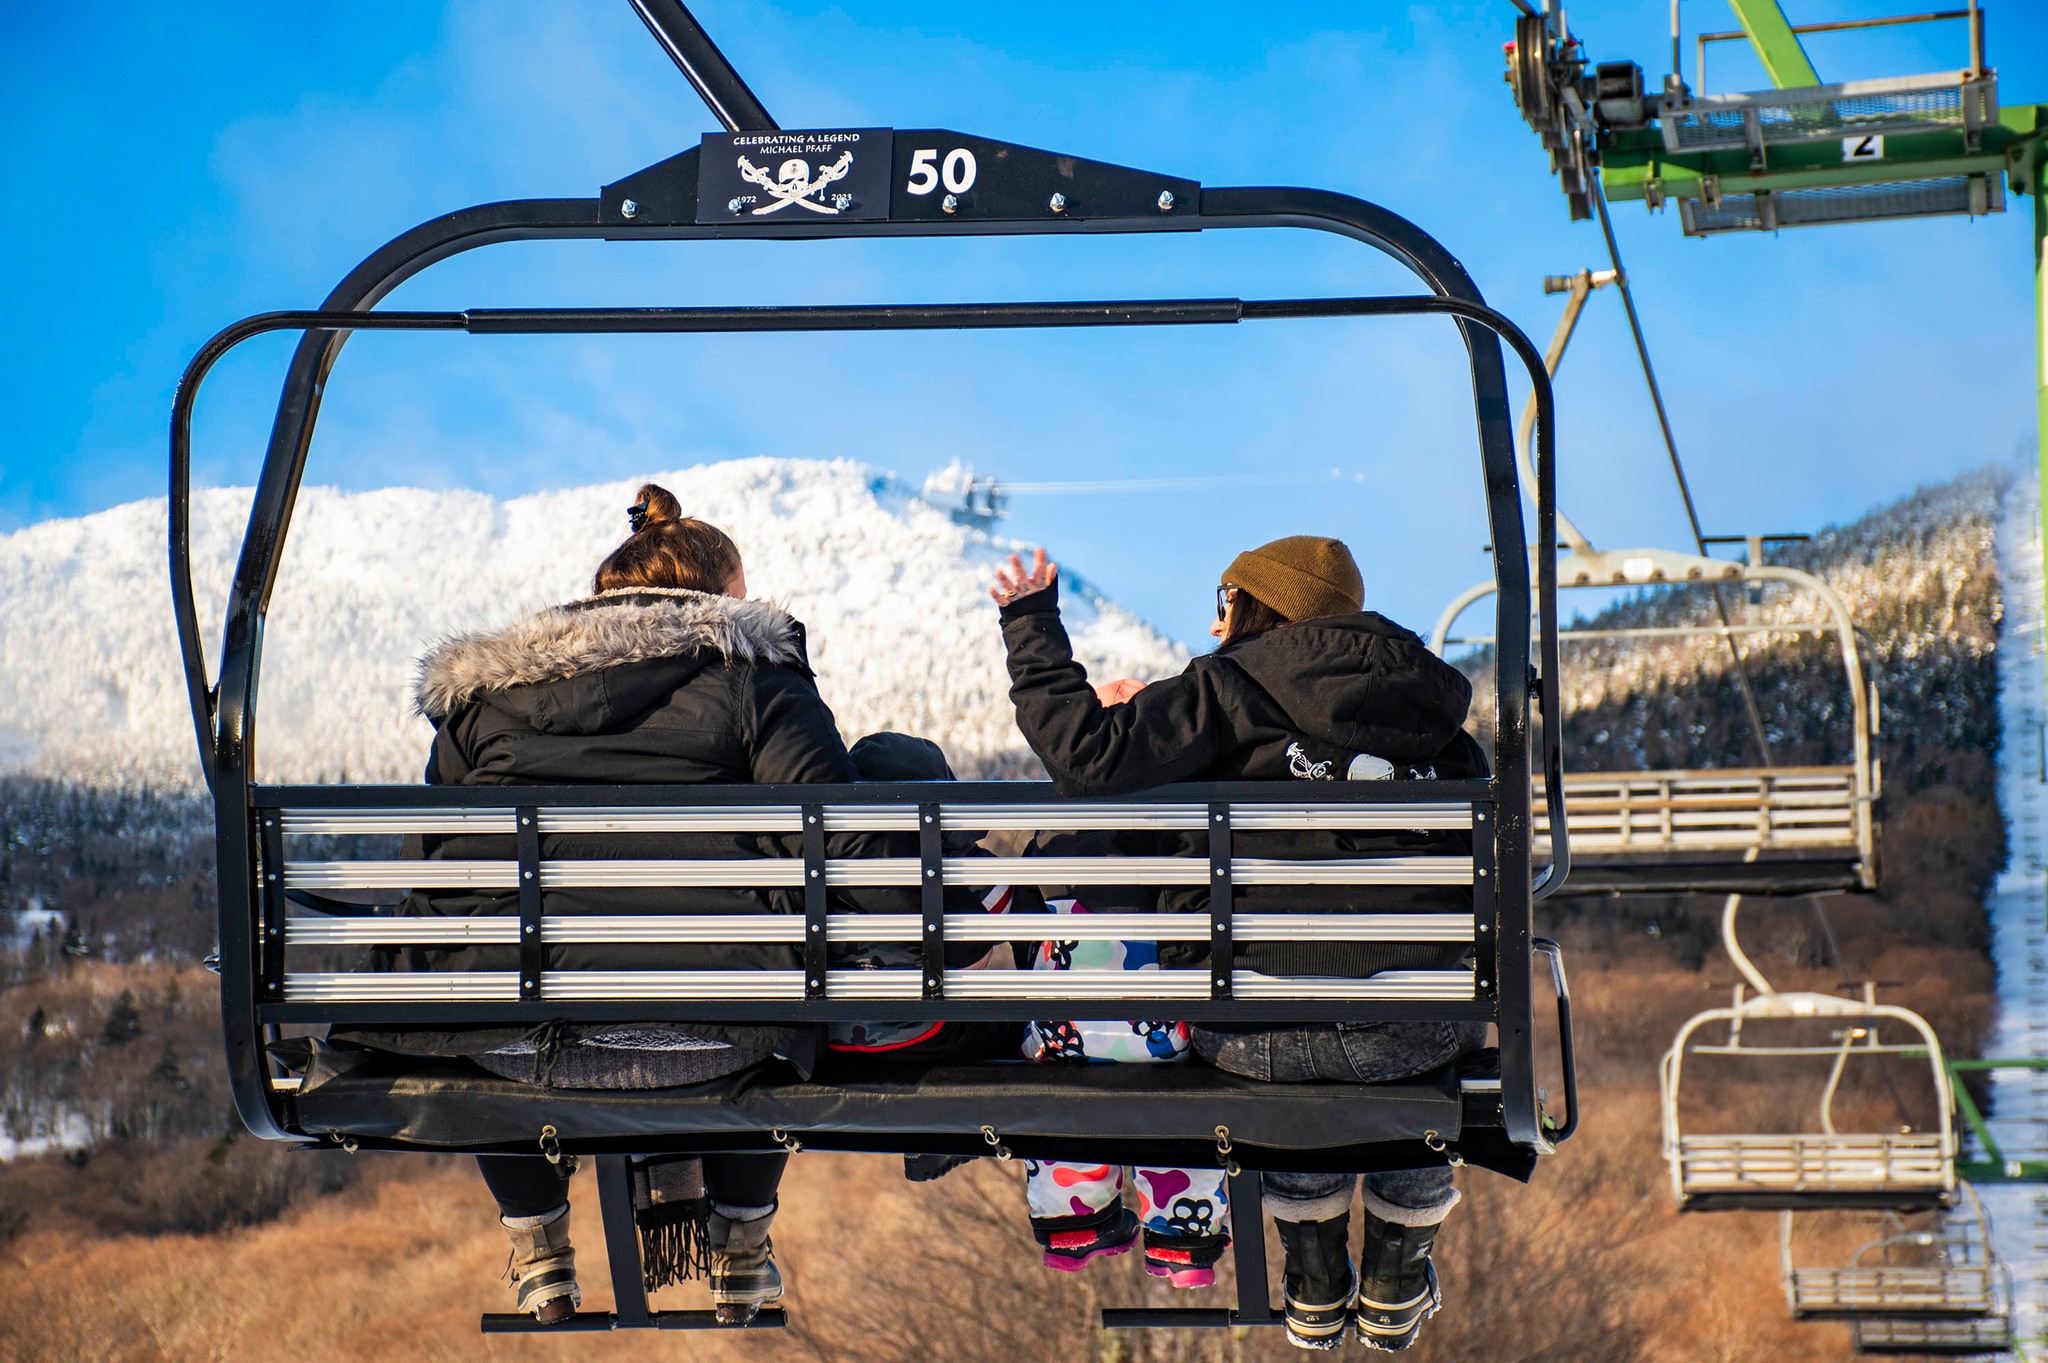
<point x="666" y="674"/>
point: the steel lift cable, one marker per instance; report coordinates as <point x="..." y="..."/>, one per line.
<point x="1692" y="515"/>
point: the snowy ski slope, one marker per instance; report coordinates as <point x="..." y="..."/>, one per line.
<point x="2019" y="914"/>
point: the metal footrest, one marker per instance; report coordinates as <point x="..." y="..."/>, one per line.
<point x="1905" y="1336"/>
<point x="1247" y="1252"/>
<point x="1183" y="1318"/>
<point x="629" y="1295"/>
<point x="584" y="1322"/>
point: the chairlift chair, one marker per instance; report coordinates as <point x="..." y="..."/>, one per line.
<point x="1766" y="830"/>
<point x="1759" y="830"/>
<point x="1950" y="1271"/>
<point x="283" y="882"/>
<point x="1812" y="1170"/>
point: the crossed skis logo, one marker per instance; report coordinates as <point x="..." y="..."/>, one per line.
<point x="793" y="183"/>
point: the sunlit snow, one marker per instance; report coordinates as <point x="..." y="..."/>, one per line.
<point x="891" y="587"/>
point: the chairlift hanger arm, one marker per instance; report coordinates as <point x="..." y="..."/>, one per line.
<point x="703" y="65"/>
<point x="1579" y="287"/>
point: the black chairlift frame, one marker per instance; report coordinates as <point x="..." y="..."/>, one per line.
<point x="1016" y="191"/>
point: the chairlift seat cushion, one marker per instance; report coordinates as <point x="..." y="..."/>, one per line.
<point x="1046" y="1111"/>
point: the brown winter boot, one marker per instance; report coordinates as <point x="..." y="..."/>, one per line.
<point x="543" y="1267"/>
<point x="743" y="1276"/>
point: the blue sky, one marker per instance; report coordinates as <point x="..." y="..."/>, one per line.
<point x="196" y="162"/>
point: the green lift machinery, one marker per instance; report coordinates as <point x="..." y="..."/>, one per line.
<point x="1803" y="153"/>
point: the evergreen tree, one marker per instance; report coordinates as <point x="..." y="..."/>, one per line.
<point x="124" y="1022"/>
<point x="166" y="1071"/>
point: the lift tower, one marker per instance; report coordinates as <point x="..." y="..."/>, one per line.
<point x="1803" y="153"/>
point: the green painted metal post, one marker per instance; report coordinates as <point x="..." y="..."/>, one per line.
<point x="2041" y="299"/>
<point x="1777" y="46"/>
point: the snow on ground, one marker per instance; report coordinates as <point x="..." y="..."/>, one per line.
<point x="2019" y="911"/>
<point x="25" y="1136"/>
<point x="891" y="587"/>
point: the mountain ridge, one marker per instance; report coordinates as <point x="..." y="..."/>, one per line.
<point x="371" y="579"/>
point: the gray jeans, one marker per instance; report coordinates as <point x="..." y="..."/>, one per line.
<point x="1352" y="1053"/>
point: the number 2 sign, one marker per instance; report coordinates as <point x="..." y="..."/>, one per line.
<point x="1869" y="147"/>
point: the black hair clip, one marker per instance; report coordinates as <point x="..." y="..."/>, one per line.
<point x="636" y="516"/>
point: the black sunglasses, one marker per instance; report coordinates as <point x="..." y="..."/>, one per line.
<point x="1224" y="596"/>
<point x="636" y="516"/>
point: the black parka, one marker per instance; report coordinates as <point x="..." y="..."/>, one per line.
<point x="636" y="687"/>
<point x="1341" y="696"/>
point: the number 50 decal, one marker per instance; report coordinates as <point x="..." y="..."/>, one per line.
<point x="927" y="172"/>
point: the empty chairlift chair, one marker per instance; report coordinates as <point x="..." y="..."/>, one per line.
<point x="289" y="856"/>
<point x="1823" y="1166"/>
<point x="1760" y="830"/>
<point x="1948" y="1272"/>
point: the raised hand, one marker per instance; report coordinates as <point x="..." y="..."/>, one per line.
<point x="1119" y="691"/>
<point x="1014" y="583"/>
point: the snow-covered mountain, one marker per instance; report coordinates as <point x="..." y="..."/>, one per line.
<point x="892" y="589"/>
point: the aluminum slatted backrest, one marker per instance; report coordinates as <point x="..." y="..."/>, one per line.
<point x="1899" y="104"/>
<point x="1891" y="1290"/>
<point x="302" y="830"/>
<point x="1781" y="809"/>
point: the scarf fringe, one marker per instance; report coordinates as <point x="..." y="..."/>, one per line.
<point x="674" y="1243"/>
<point x="673" y="1215"/>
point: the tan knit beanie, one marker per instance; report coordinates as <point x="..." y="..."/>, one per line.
<point x="1301" y="576"/>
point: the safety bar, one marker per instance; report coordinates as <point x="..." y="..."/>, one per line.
<point x="651" y="204"/>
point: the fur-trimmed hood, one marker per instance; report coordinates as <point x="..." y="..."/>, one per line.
<point x="638" y="625"/>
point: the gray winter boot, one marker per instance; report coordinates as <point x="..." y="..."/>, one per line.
<point x="543" y="1266"/>
<point x="743" y="1276"/>
<point x="1397" y="1288"/>
<point x="1316" y="1283"/>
